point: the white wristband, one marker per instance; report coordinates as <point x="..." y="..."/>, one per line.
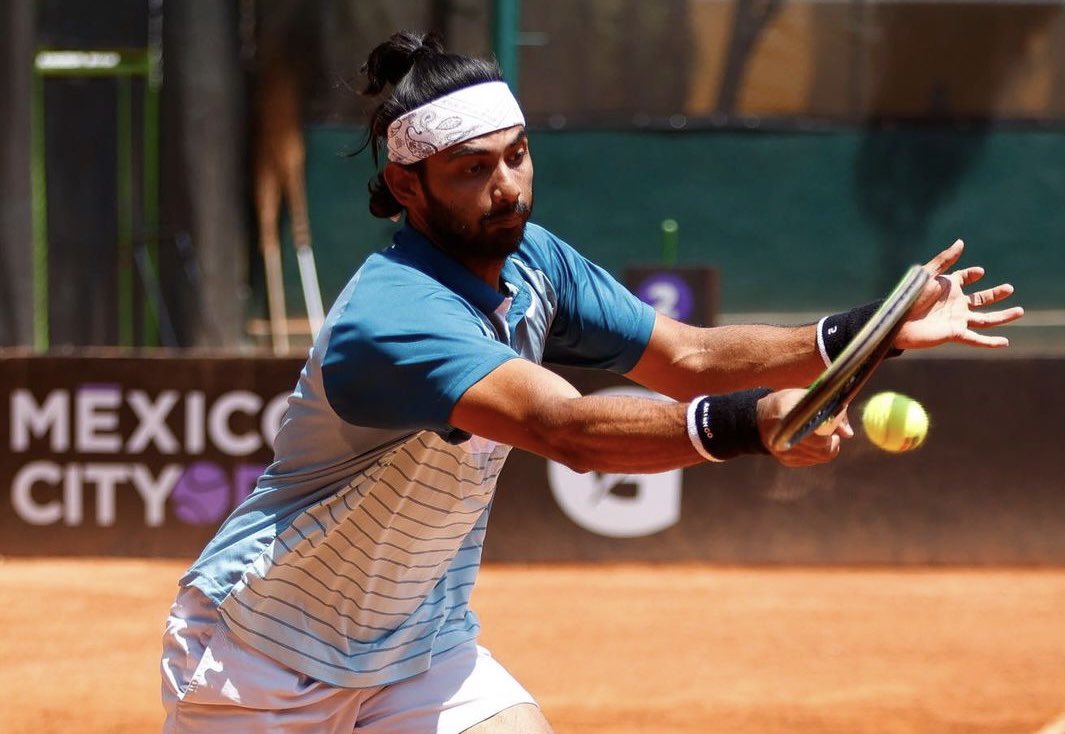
<point x="821" y="342"/>
<point x="693" y="430"/>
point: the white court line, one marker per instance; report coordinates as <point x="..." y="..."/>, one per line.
<point x="1057" y="726"/>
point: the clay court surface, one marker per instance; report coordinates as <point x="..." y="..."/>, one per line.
<point x="617" y="648"/>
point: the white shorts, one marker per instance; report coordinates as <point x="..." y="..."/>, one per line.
<point x="214" y="682"/>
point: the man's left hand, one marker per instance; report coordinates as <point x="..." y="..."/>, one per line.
<point x="945" y="313"/>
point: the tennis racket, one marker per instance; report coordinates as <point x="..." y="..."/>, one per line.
<point x="830" y="393"/>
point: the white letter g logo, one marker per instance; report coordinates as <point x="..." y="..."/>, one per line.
<point x="591" y="502"/>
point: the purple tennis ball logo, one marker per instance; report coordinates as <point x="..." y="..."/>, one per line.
<point x="202" y="495"/>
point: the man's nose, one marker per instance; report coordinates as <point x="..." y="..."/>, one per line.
<point x="505" y="186"/>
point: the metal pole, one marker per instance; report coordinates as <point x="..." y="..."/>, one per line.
<point x="123" y="66"/>
<point x="124" y="197"/>
<point x="669" y="241"/>
<point x="506" y="19"/>
<point x="153" y="81"/>
<point x="150" y="208"/>
<point x="40" y="217"/>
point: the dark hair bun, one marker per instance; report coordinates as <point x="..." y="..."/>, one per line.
<point x="390" y="61"/>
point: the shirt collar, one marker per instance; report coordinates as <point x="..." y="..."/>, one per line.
<point x="420" y="252"/>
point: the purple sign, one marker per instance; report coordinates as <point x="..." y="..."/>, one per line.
<point x="668" y="293"/>
<point x="202" y="495"/>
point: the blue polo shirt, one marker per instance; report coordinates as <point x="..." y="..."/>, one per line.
<point x="354" y="559"/>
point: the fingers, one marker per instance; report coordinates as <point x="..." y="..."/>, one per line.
<point x="990" y="296"/>
<point x="970" y="274"/>
<point x="822" y="445"/>
<point x="817" y="448"/>
<point x="974" y="339"/>
<point x="985" y="297"/>
<point x="943" y="262"/>
<point x="814" y="449"/>
<point x="844" y="428"/>
<point x="944" y="307"/>
<point x="985" y="320"/>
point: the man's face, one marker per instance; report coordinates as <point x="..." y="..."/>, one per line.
<point x="477" y="195"/>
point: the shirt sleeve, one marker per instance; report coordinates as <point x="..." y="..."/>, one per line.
<point x="598" y="322"/>
<point x="406" y="365"/>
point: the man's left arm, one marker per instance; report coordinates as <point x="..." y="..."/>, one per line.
<point x="683" y="361"/>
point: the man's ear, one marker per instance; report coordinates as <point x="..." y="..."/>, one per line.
<point x="404" y="184"/>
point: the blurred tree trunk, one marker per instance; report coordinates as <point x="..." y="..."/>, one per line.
<point x="16" y="229"/>
<point x="205" y="190"/>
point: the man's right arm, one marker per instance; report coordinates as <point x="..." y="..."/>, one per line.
<point x="529" y="407"/>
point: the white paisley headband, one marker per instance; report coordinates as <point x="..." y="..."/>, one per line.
<point x="449" y="120"/>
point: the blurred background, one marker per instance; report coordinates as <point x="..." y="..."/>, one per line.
<point x="180" y="184"/>
<point x="183" y="190"/>
<point x="805" y="151"/>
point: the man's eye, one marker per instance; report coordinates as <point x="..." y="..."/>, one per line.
<point x="517" y="156"/>
<point x="475" y="169"/>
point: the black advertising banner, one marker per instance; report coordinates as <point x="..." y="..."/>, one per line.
<point x="132" y="456"/>
<point x="986" y="488"/>
<point x="146" y="456"/>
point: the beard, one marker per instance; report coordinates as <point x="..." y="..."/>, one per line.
<point x="480" y="240"/>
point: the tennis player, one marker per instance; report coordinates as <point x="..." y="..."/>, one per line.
<point x="336" y="597"/>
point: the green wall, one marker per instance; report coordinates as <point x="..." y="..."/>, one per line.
<point x="794" y="221"/>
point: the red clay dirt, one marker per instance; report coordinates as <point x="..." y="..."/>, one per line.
<point x="616" y="648"/>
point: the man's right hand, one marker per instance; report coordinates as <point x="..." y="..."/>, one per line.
<point x="817" y="448"/>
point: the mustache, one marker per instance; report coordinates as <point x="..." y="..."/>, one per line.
<point x="520" y="208"/>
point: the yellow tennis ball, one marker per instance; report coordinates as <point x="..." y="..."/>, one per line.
<point x="895" y="422"/>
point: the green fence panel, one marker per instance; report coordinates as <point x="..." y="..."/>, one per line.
<point x="794" y="221"/>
